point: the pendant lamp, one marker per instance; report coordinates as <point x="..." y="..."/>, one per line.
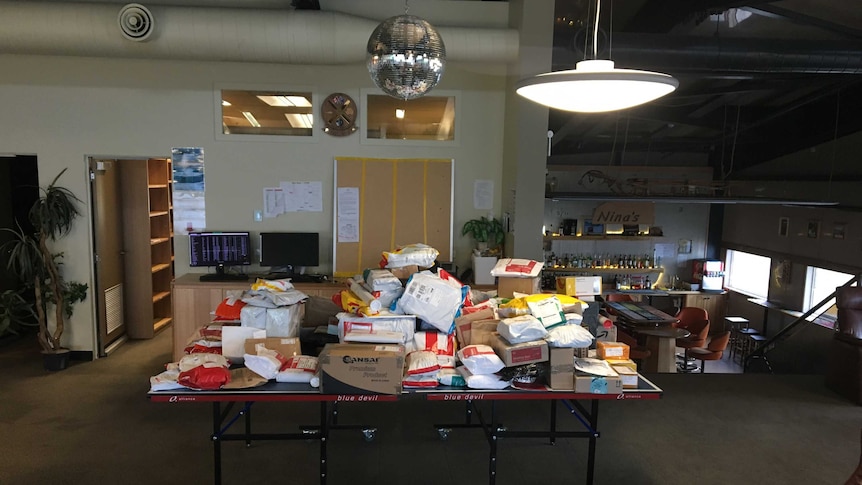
<point x="405" y="56"/>
<point x="595" y="85"/>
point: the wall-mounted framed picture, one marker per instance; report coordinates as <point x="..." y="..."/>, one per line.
<point x="783" y="226"/>
<point x="683" y="246"/>
<point x="813" y="229"/>
<point x="838" y="230"/>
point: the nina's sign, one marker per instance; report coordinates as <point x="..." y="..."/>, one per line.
<point x="619" y="212"/>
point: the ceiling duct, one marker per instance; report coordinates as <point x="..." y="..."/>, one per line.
<point x="284" y="36"/>
<point x="136" y="22"/>
<point x="677" y="54"/>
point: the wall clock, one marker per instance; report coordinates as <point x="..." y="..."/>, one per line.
<point x="338" y="112"/>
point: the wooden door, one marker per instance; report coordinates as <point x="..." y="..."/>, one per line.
<point x="108" y="244"/>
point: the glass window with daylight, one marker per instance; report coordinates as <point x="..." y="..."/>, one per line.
<point x="748" y="273"/>
<point x="429" y="118"/>
<point x="267" y="113"/>
<point x="819" y="284"/>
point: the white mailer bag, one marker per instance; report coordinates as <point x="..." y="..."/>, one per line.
<point x="431" y="299"/>
<point x="382" y="280"/>
<point x="480" y="359"/>
<point x="569" y="336"/>
<point x="350" y="323"/>
<point x="483" y="381"/>
<point x="253" y="316"/>
<point x="517" y="268"/>
<point x="283" y="321"/>
<point x="524" y="328"/>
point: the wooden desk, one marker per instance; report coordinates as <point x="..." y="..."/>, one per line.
<point x="195" y="300"/>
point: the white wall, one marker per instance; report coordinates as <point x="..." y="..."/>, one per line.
<point x="64" y="109"/>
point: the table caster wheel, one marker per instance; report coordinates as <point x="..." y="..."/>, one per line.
<point x="444" y="433"/>
<point x="369" y="434"/>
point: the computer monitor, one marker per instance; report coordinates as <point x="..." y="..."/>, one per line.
<point x="289" y="250"/>
<point x="219" y="249"/>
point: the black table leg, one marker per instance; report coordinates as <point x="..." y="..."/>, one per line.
<point x="323" y="438"/>
<point x="247" y="412"/>
<point x="216" y="443"/>
<point x="553" y="426"/>
<point x="594" y="421"/>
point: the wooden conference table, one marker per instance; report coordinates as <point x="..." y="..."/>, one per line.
<point x="584" y="407"/>
<point x="657" y="327"/>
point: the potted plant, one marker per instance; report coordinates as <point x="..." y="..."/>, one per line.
<point x="15" y="313"/>
<point x="37" y="267"/>
<point x="488" y="233"/>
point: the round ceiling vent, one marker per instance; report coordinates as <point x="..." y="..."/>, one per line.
<point x="136" y="22"/>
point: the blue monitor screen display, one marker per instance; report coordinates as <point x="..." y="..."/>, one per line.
<point x="288" y="249"/>
<point x="219" y="248"/>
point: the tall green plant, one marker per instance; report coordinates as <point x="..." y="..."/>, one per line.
<point x="30" y="258"/>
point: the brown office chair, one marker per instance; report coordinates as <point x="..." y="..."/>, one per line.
<point x="637" y="352"/>
<point x="688" y="315"/>
<point x="713" y="351"/>
<point x="699" y="332"/>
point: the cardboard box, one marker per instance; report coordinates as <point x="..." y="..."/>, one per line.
<point x="520" y="354"/>
<point x="612" y="350"/>
<point x="507" y="287"/>
<point x="404" y="272"/>
<point x="562" y="372"/>
<point x="628" y="376"/>
<point x="482" y="266"/>
<point x="590" y="384"/>
<point x="286" y="346"/>
<point x="582" y="352"/>
<point x="606" y="334"/>
<point x="579" y="285"/>
<point x="361" y="368"/>
<point x="623" y="363"/>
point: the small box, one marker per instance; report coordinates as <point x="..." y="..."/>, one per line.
<point x="520" y="354"/>
<point x="286" y="346"/>
<point x="579" y="285"/>
<point x="508" y="286"/>
<point x="361" y="368"/>
<point x="623" y="363"/>
<point x="628" y="376"/>
<point x="590" y="384"/>
<point x="612" y="350"/>
<point x="404" y="272"/>
<point x="562" y="372"/>
<point x="606" y="334"/>
<point x="582" y="352"/>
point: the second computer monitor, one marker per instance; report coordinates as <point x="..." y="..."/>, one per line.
<point x="289" y="249"/>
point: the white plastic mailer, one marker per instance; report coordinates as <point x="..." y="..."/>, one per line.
<point x="283" y="321"/>
<point x="359" y="326"/>
<point x="253" y="316"/>
<point x="433" y="300"/>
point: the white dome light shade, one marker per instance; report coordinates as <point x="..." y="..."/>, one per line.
<point x="594" y="86"/>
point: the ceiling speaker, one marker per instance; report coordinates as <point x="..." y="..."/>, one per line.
<point x="136" y="22"/>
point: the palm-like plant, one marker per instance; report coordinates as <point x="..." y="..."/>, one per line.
<point x="30" y="258"/>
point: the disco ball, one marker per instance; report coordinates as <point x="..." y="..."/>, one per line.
<point x="405" y="57"/>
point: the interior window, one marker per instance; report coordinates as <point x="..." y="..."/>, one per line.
<point x="267" y="113"/>
<point x="748" y="273"/>
<point x="429" y="118"/>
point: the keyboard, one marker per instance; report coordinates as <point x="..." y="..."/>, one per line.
<point x="223" y="277"/>
<point x="298" y="278"/>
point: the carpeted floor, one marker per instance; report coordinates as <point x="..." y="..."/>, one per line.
<point x="92" y="424"/>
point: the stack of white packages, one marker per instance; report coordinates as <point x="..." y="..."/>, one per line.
<point x="273" y="305"/>
<point x="481" y="364"/>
